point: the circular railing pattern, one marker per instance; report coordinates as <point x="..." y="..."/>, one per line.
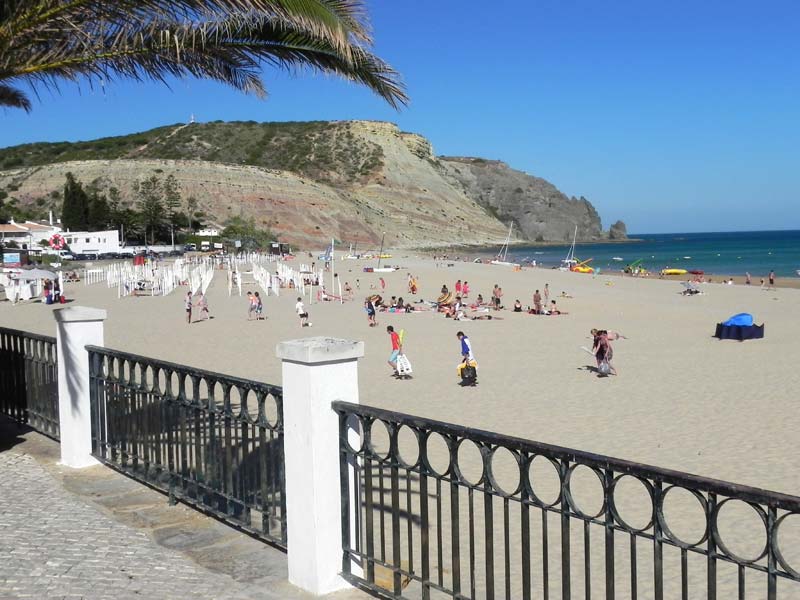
<point x="627" y="497"/>
<point x="209" y="439"/>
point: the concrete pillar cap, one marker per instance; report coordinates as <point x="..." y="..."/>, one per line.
<point x="75" y="314"/>
<point x="319" y="350"/>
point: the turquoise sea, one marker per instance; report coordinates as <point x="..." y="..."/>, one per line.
<point x="725" y="253"/>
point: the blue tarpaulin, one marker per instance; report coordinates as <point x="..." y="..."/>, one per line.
<point x="741" y="320"/>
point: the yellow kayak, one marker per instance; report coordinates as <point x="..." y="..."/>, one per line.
<point x="580" y="269"/>
<point x="674" y="271"/>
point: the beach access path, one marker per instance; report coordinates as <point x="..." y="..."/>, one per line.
<point x="94" y="533"/>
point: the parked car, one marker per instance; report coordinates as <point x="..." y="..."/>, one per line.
<point x="107" y="256"/>
<point x="176" y="253"/>
<point x="85" y="257"/>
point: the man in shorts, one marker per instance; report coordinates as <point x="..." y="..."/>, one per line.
<point x="189" y="305"/>
<point x="301" y="312"/>
<point x="397" y="348"/>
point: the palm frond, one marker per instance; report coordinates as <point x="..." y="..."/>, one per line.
<point x="13" y="98"/>
<point x="45" y="41"/>
<point x="229" y="48"/>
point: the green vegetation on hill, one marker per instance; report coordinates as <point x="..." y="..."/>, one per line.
<point x="319" y="150"/>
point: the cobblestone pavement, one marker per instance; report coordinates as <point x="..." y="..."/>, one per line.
<point x="95" y="534"/>
<point x="54" y="546"/>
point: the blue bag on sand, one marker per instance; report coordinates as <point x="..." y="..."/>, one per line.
<point x="741" y="320"/>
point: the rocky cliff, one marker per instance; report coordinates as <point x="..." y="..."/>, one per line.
<point x="308" y="182"/>
<point x="539" y="210"/>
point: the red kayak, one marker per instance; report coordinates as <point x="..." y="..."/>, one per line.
<point x="697" y="272"/>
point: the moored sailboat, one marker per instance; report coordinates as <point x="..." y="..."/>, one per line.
<point x="503" y="254"/>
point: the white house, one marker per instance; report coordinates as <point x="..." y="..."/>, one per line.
<point x="28" y="234"/>
<point x="92" y="242"/>
<point x="208" y="233"/>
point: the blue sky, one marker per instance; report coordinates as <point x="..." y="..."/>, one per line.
<point x="672" y="116"/>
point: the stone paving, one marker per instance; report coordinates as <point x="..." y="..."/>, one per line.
<point x="95" y="534"/>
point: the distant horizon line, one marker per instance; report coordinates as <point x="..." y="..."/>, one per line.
<point x="634" y="235"/>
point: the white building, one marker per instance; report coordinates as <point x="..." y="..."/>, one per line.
<point x="92" y="242"/>
<point x="28" y="234"/>
<point x="208" y="233"/>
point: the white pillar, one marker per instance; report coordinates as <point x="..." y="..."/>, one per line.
<point x="316" y="372"/>
<point x="77" y="327"/>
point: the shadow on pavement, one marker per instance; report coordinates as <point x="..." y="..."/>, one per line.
<point x="11" y="433"/>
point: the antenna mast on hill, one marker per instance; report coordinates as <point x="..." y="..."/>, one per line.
<point x="191" y="119"/>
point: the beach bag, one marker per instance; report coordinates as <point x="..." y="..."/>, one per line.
<point x="403" y="366"/>
<point x="62" y="299"/>
<point x="469" y="373"/>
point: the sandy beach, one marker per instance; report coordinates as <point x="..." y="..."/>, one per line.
<point x="682" y="399"/>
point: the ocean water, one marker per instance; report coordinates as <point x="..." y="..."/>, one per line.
<point x="725" y="253"/>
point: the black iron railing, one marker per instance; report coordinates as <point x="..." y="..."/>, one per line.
<point x="446" y="511"/>
<point x="29" y="380"/>
<point x="210" y="440"/>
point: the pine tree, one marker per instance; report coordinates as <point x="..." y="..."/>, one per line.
<point x="172" y="197"/>
<point x="99" y="212"/>
<point x="75" y="210"/>
<point x="151" y="205"/>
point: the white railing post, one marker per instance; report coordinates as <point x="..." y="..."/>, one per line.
<point x="316" y="372"/>
<point x="77" y="327"/>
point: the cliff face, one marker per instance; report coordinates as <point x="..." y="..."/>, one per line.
<point x="540" y="211"/>
<point x="308" y="182"/>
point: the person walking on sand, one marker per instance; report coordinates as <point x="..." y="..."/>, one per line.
<point x="202" y="304"/>
<point x="603" y="351"/>
<point x="188" y="305"/>
<point x="465" y="290"/>
<point x="772" y="278"/>
<point x="251" y="306"/>
<point x="300" y="309"/>
<point x="397" y="348"/>
<point x="546" y="294"/>
<point x="370" y="308"/>
<point x="383" y="284"/>
<point x="458" y="287"/>
<point x="259" y="307"/>
<point x="467" y="355"/>
<point x="747" y="279"/>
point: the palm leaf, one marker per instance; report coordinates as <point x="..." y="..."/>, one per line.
<point x="45" y="41"/>
<point x="14" y="98"/>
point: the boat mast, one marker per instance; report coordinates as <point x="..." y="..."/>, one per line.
<point x="571" y="253"/>
<point x="504" y="249"/>
<point x="380" y="252"/>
